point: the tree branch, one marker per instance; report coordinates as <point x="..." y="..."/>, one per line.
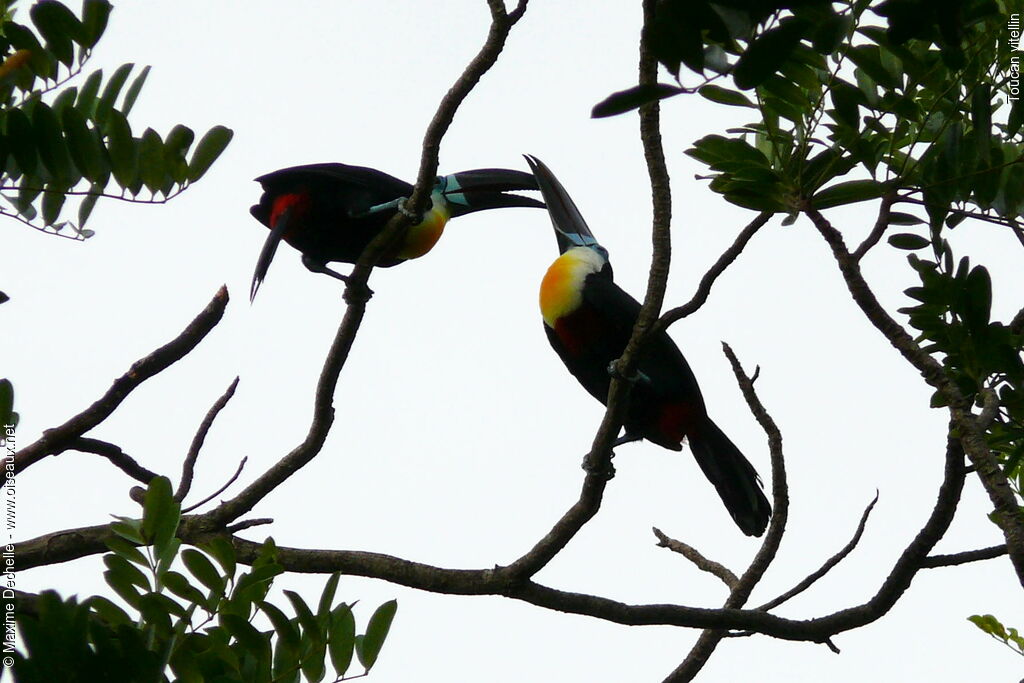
<point x="188" y="466"/>
<point x="706" y="282"/>
<point x="740" y="593"/>
<point x="884" y="212"/>
<point x="115" y="455"/>
<point x="933" y="561"/>
<point x="231" y="480"/>
<point x="829" y="563"/>
<point x="697" y="558"/>
<point x="55" y="441"/>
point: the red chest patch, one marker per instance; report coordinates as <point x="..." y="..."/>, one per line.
<point x="296" y="204"/>
<point x="578" y="329"/>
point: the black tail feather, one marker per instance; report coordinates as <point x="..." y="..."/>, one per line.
<point x="733" y="477"/>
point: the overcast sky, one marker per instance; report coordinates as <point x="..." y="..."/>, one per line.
<point x="459" y="433"/>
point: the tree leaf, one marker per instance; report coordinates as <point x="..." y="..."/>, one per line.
<point x="133" y="91"/>
<point x="21" y="138"/>
<point x="342" y="638"/>
<point x="105" y="105"/>
<point x="310" y="625"/>
<point x="323" y="609"/>
<point x="766" y="54"/>
<point x="160" y="513"/>
<point x="151" y="160"/>
<point x="898" y="218"/>
<point x="83" y="145"/>
<point x="848" y="192"/>
<point x="6" y="401"/>
<point x="633" y="98"/>
<point x="180" y="586"/>
<point x="209" y="148"/>
<point x="200" y="567"/>
<point x="122" y="149"/>
<point x="376" y="631"/>
<point x="909" y="241"/>
<point x="725" y="96"/>
<point x="59" y="26"/>
<point x="94" y="21"/>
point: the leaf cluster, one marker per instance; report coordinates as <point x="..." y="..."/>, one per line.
<point x="921" y="105"/>
<point x="953" y="318"/>
<point x="992" y="626"/>
<point x="200" y="623"/>
<point x="59" y="140"/>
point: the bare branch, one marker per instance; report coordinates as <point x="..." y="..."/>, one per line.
<point x="829" y="563"/>
<point x="933" y="561"/>
<point x="55" y="441"/>
<point x="222" y="489"/>
<point x="719" y="267"/>
<point x="699" y="560"/>
<point x="740" y="593"/>
<point x="115" y="455"/>
<point x="884" y="212"/>
<point x="188" y="467"/>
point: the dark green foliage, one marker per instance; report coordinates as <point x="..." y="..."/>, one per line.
<point x="201" y="624"/>
<point x="953" y="318"/>
<point x="911" y="95"/>
<point x="7" y="414"/>
<point x="56" y="138"/>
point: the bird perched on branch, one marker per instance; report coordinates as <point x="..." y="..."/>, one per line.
<point x="589" y="320"/>
<point x="330" y="212"/>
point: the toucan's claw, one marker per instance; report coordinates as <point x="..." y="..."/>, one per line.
<point x="604" y="470"/>
<point x="636" y="377"/>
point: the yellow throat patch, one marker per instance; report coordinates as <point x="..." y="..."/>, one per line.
<point x="561" y="290"/>
<point x="422" y="237"/>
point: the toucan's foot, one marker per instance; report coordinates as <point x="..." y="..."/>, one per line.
<point x="356" y="292"/>
<point x="637" y="376"/>
<point x="605" y="470"/>
<point x="416" y="218"/>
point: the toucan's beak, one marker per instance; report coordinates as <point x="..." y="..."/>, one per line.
<point x="485" y="188"/>
<point x="570" y="228"/>
<point x="267" y="253"/>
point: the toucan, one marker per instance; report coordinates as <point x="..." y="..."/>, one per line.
<point x="331" y="211"/>
<point x="589" y="319"/>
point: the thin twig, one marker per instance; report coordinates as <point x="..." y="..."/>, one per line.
<point x="115" y="455"/>
<point x="706" y="282"/>
<point x="188" y="466"/>
<point x="697" y="558"/>
<point x="740" y="593"/>
<point x="222" y="489"/>
<point x="829" y="563"/>
<point x="884" y="213"/>
<point x="55" y="440"/>
<point x="933" y="561"/>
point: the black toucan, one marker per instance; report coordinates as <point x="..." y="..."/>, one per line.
<point x="331" y="211"/>
<point x="588" y="320"/>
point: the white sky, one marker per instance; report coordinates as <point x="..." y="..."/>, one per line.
<point x="459" y="433"/>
